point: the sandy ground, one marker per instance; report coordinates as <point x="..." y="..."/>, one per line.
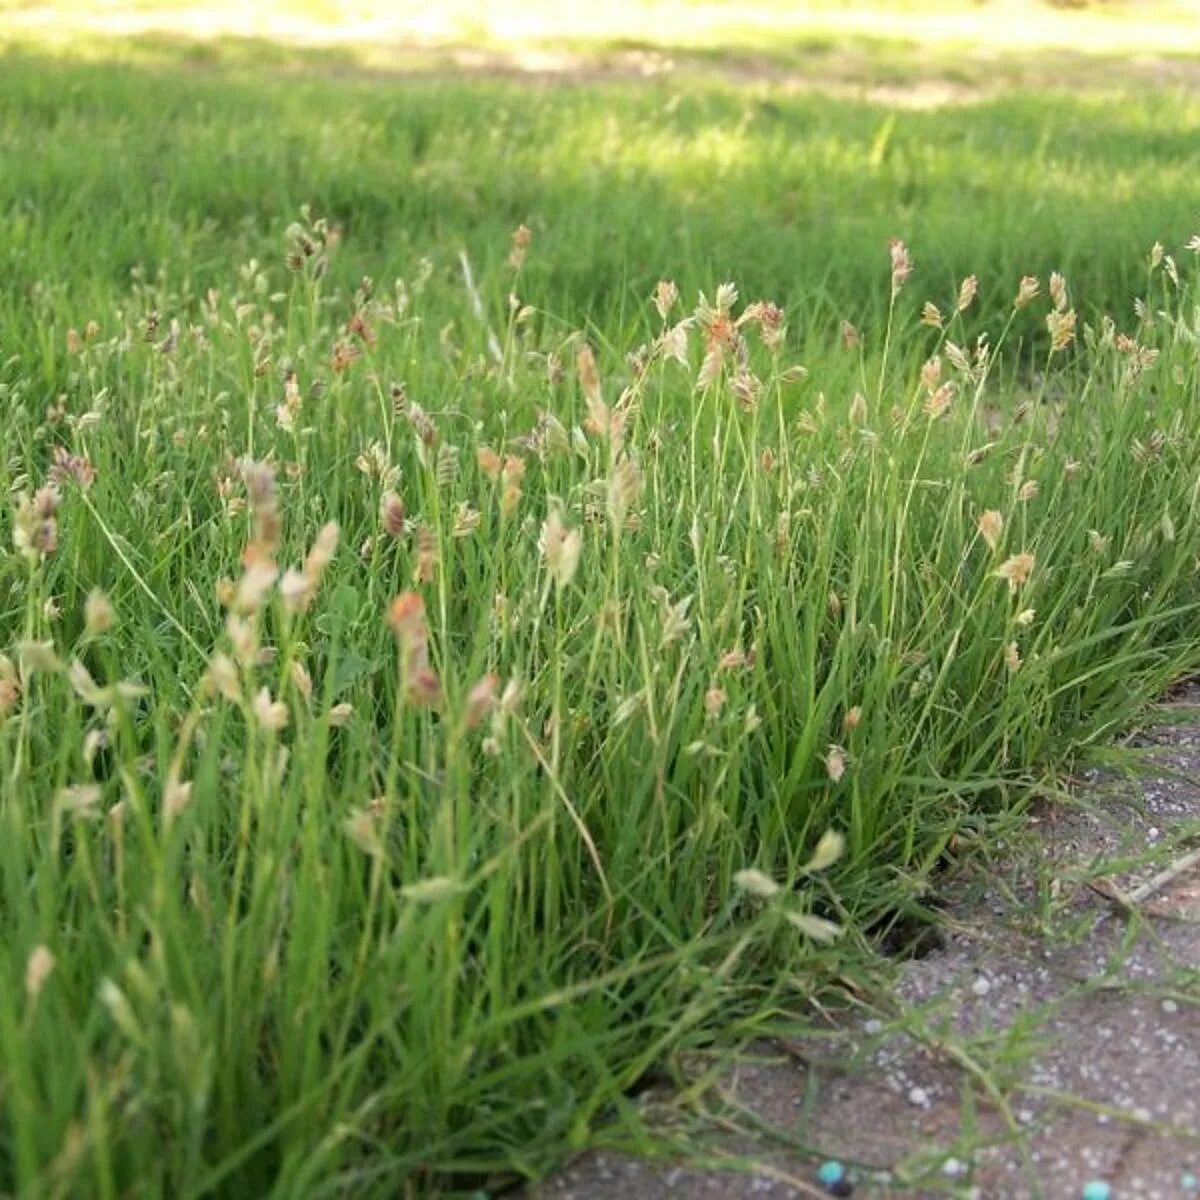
<point x="1054" y="1039"/>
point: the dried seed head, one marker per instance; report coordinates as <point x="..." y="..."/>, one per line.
<point x="294" y="590"/>
<point x="624" y="490"/>
<point x="481" y="699"/>
<point x="769" y="317"/>
<point x="39" y="966"/>
<point x="425" y="570"/>
<point x="1058" y="291"/>
<point x="67" y="466"/>
<point x="521" y="238"/>
<point x="901" y="264"/>
<point x="391" y="514"/>
<point x="589" y="377"/>
<point x="835" y="763"/>
<point x="1027" y="291"/>
<point x="177" y="794"/>
<point x="1015" y="571"/>
<point x="991" y="525"/>
<point x="362" y="828"/>
<point x="938" y="403"/>
<point x="80" y="799"/>
<point x="38" y="657"/>
<point x="302" y="680"/>
<point x="931" y="315"/>
<point x="97" y="614"/>
<point x="222" y="677"/>
<point x="244" y="639"/>
<point x="10" y="685"/>
<point x="321" y="554"/>
<point x="490" y="463"/>
<point x="254" y="586"/>
<point x="407" y="619"/>
<point x="967" y="292"/>
<point x="1062" y="328"/>
<point x="561" y="547"/>
<point x="35" y="525"/>
<point x="757" y="883"/>
<point x="270" y="714"/>
<point x="406" y="616"/>
<point x="931" y="373"/>
<point x="666" y="296"/>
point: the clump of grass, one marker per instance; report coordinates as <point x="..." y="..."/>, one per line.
<point x="413" y="731"/>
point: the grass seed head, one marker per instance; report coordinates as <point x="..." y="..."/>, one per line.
<point x="391" y="514"/>
<point x="757" y="883"/>
<point x="902" y="264"/>
<point x="481" y="699"/>
<point x="521" y="239"/>
<point x="666" y="296"/>
<point x="1061" y="325"/>
<point x="35" y="524"/>
<point x="177" y="794"/>
<point x="97" y="614"/>
<point x="270" y="714"/>
<point x="1058" y="291"/>
<point x="301" y="679"/>
<point x="1015" y="571"/>
<point x="1027" y="291"/>
<point x="991" y="526"/>
<point x="10" y="685"/>
<point x="835" y="763"/>
<point x="561" y="547"/>
<point x="39" y="966"/>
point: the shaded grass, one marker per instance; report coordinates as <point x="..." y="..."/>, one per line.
<point x="192" y="171"/>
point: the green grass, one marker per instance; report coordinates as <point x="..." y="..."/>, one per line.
<point x="413" y="948"/>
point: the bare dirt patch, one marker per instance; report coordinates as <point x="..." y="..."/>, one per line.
<point x="1054" y="1040"/>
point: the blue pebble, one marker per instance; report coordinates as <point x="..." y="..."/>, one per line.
<point x="1097" y="1189"/>
<point x="831" y="1172"/>
<point x="1190" y="1182"/>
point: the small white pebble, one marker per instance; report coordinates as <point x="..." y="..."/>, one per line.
<point x="918" y="1096"/>
<point x="981" y="986"/>
<point x="872" y="1027"/>
<point x="953" y="1167"/>
<point x="1169" y="1006"/>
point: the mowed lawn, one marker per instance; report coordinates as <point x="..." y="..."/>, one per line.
<point x="506" y="580"/>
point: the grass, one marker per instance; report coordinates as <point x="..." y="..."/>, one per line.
<point x="396" y="873"/>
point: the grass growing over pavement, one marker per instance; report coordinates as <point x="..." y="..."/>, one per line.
<point x="422" y="711"/>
